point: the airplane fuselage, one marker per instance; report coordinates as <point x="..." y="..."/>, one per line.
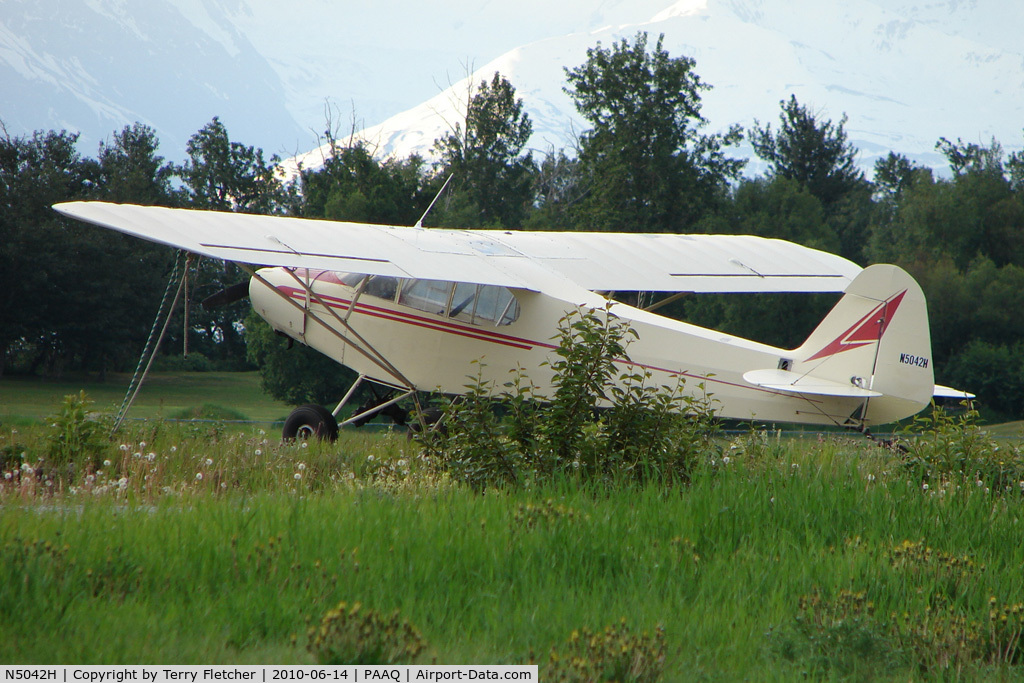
<point x="425" y="335"/>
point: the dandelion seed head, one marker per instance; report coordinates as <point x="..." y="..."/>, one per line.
<point x="199" y="476"/>
<point x="209" y="461"/>
<point x="258" y="452"/>
<point x="298" y="475"/>
<point x="142" y="444"/>
<point x="304" y="445"/>
<point x="151" y="457"/>
<point x="174" y="449"/>
<point x="302" y="466"/>
<point x="123" y="447"/>
<point x="106" y="463"/>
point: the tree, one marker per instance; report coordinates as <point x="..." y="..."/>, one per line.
<point x="814" y="153"/>
<point x="484" y="154"/>
<point x="35" y="173"/>
<point x="131" y="171"/>
<point x="353" y="185"/>
<point x="228" y="176"/>
<point x="223" y="175"/>
<point x="646" y="165"/>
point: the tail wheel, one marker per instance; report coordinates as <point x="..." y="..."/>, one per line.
<point x="310" y="421"/>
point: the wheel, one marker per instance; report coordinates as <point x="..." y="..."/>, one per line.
<point x="310" y="421"/>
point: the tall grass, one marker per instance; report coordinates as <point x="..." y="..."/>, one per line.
<point x="230" y="567"/>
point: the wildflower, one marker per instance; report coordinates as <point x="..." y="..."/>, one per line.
<point x="209" y="461"/>
<point x="122" y="482"/>
<point x="136" y="455"/>
<point x="302" y="465"/>
<point x="370" y="458"/>
<point x="106" y="463"/>
<point x="7" y="475"/>
<point x="174" y="449"/>
<point x="924" y="486"/>
<point x="124" y="448"/>
<point x="199" y="476"/>
<point x="258" y="452"/>
<point x="725" y="460"/>
<point x="142" y="444"/>
<point x="151" y="457"/>
<point x="980" y="483"/>
<point x="401" y="462"/>
<point x="298" y="475"/>
<point x="304" y="445"/>
<point x="871" y="477"/>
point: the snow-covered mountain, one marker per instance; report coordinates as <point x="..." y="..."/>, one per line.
<point x="905" y="72"/>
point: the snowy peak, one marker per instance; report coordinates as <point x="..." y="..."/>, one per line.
<point x="905" y="72"/>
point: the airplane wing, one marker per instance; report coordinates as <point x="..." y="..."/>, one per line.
<point x="508" y="258"/>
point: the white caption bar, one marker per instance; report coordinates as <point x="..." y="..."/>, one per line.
<point x="406" y="673"/>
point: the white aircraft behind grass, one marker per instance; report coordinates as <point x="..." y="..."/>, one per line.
<point x="410" y="308"/>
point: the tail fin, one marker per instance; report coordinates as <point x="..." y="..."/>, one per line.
<point x="876" y="338"/>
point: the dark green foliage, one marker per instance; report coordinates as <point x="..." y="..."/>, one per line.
<point x="945" y="449"/>
<point x="353" y="185"/>
<point x="813" y="153"/>
<point x="76" y="438"/>
<point x="646" y="166"/>
<point x="224" y="175"/>
<point x="492" y="178"/>
<point x="295" y="374"/>
<point x="603" y="422"/>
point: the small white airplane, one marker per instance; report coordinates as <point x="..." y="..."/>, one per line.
<point x="410" y="308"/>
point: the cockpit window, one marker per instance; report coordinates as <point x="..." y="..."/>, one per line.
<point x="382" y="287"/>
<point x="431" y="296"/>
<point x="471" y="303"/>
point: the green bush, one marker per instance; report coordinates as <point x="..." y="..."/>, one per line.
<point x="75" y="437"/>
<point x="596" y="424"/>
<point x="942" y="448"/>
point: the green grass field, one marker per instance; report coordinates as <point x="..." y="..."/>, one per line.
<point x="163" y="395"/>
<point x="795" y="559"/>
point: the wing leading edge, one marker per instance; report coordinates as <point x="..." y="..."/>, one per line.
<point x="536" y="261"/>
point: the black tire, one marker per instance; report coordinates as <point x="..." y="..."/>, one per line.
<point x="310" y="421"/>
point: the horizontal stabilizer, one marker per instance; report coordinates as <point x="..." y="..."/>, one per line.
<point x="794" y="382"/>
<point x="950" y="392"/>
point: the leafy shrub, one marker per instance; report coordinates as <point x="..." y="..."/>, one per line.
<point x="596" y="425"/>
<point x="350" y="634"/>
<point x="942" y="446"/>
<point x="75" y="438"/>
<point x="612" y="654"/>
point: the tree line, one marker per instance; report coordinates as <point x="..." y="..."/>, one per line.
<point x="73" y="297"/>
